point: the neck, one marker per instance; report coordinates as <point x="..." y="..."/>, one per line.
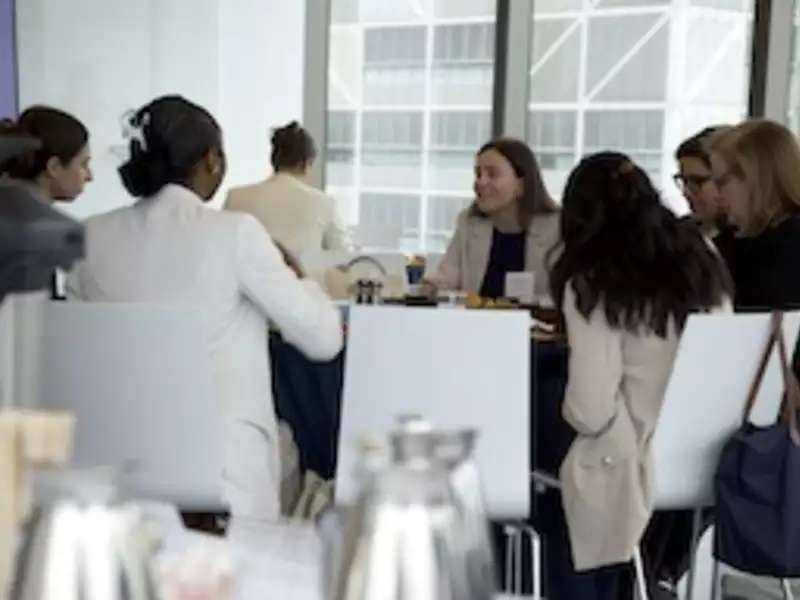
<point x="43" y="187"/>
<point x="507" y="219"/>
<point x="298" y="172"/>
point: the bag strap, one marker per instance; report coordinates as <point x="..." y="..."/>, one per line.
<point x="791" y="400"/>
<point x="776" y="322"/>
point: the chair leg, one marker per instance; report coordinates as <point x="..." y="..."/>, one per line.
<point x="786" y="588"/>
<point x="715" y="591"/>
<point x="697" y="523"/>
<point x="518" y="561"/>
<point x="536" y="561"/>
<point x="507" y="584"/>
<point x="641" y="580"/>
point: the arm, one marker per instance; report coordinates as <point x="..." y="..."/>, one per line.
<point x="448" y="273"/>
<point x="305" y="315"/>
<point x="595" y="369"/>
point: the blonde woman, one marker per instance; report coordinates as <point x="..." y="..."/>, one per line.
<point x="756" y="166"/>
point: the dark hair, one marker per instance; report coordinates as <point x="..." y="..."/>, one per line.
<point x="621" y="246"/>
<point x="61" y="136"/>
<point x="535" y="198"/>
<point x="292" y="147"/>
<point x="169" y="136"/>
<point x="697" y="145"/>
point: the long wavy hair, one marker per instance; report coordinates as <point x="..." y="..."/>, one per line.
<point x="621" y="246"/>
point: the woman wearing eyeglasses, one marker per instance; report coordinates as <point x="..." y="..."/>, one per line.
<point x="696" y="183"/>
<point x="756" y="167"/>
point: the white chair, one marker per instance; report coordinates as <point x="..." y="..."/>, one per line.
<point x="435" y="363"/>
<point x="717" y="360"/>
<point x="138" y="378"/>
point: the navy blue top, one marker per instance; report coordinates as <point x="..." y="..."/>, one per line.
<point x="507" y="255"/>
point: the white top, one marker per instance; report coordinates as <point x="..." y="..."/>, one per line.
<point x="171" y="250"/>
<point x="300" y="217"/>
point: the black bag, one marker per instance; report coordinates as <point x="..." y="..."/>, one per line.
<point x="757" y="483"/>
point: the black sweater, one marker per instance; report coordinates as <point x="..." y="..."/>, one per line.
<point x="766" y="268"/>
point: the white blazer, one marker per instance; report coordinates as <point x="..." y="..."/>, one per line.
<point x="172" y="250"/>
<point x="299" y="216"/>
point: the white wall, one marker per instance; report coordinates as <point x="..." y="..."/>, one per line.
<point x="241" y="59"/>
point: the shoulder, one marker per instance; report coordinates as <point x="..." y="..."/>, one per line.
<point x="242" y="192"/>
<point x="546" y="223"/>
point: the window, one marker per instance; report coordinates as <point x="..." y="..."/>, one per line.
<point x="636" y="76"/>
<point x="410" y="87"/>
<point x="793" y="118"/>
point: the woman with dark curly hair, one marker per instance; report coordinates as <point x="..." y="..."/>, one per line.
<point x="628" y="274"/>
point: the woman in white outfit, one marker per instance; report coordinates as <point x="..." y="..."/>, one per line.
<point x="300" y="217"/>
<point x="169" y="249"/>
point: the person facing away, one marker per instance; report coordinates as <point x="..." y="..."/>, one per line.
<point x="697" y="185"/>
<point x="510" y="227"/>
<point x="169" y="249"/>
<point x="300" y="217"/>
<point x="59" y="169"/>
<point x="756" y="166"/>
<point x="628" y="275"/>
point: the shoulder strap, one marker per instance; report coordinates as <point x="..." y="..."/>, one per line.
<point x="776" y="322"/>
<point x="791" y="400"/>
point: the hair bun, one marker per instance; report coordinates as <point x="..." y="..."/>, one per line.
<point x="144" y="174"/>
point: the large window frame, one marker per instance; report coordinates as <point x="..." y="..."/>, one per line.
<point x="771" y="54"/>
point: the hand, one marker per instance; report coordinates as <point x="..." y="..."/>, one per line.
<point x="429" y="289"/>
<point x="290" y="260"/>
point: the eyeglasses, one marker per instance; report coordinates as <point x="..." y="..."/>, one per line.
<point x="690" y="182"/>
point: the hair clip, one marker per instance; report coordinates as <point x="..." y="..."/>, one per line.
<point x="133" y="124"/>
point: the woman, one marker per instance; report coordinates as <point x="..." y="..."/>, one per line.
<point x="756" y="166"/>
<point x="59" y="169"/>
<point x="695" y="182"/>
<point x="628" y="275"/>
<point x="510" y="227"/>
<point x="300" y="217"/>
<point x="169" y="249"/>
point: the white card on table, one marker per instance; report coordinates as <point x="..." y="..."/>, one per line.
<point x="519" y="285"/>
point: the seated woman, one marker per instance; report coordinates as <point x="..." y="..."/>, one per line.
<point x="697" y="185"/>
<point x="59" y="169"/>
<point x="756" y="166"/>
<point x="628" y="275"/>
<point x="510" y="227"/>
<point x="301" y="218"/>
<point x="169" y="249"/>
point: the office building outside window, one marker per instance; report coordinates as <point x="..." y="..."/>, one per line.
<point x="410" y="87"/>
<point x="633" y="75"/>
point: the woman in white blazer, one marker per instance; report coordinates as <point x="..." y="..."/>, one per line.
<point x="627" y="277"/>
<point x="300" y="217"/>
<point x="511" y="226"/>
<point x="169" y="249"/>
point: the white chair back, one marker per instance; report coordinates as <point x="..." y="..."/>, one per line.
<point x="717" y="359"/>
<point x="139" y="380"/>
<point x="458" y="368"/>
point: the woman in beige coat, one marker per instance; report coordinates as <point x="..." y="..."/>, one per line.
<point x="510" y="227"/>
<point x="628" y="274"/>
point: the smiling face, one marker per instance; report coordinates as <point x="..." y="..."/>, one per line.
<point x="496" y="185"/>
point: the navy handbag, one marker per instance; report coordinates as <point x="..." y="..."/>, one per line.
<point x="757" y="483"/>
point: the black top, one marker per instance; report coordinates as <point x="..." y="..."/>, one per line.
<point x="766" y="268"/>
<point x="507" y="255"/>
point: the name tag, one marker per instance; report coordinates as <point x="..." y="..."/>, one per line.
<point x="519" y="285"/>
